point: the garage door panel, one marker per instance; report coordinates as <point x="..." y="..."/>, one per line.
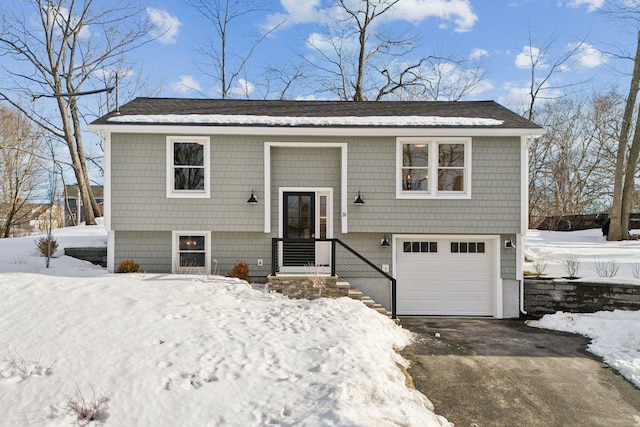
<point x="445" y="283"/>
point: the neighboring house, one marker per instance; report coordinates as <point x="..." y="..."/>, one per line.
<point x="443" y="183"/>
<point x="34" y="218"/>
<point x="73" y="207"/>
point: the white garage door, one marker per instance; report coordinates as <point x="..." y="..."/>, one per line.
<point x="445" y="276"/>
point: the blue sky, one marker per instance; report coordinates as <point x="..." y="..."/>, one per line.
<point x="497" y="31"/>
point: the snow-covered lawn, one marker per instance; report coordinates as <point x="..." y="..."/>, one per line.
<point x="587" y="246"/>
<point x="170" y="350"/>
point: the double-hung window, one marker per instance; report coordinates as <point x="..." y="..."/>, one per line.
<point x="433" y="168"/>
<point x="191" y="252"/>
<point x="188" y="167"/>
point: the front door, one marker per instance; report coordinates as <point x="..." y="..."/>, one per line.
<point x="299" y="229"/>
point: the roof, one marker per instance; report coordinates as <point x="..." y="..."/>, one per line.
<point x="345" y="114"/>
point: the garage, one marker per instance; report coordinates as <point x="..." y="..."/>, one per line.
<point x="453" y="276"/>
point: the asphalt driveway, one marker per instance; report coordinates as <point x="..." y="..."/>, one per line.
<point x="487" y="372"/>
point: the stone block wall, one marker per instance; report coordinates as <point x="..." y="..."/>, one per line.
<point x="548" y="296"/>
<point x="301" y="286"/>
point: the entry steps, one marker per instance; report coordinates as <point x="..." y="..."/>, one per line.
<point x="366" y="300"/>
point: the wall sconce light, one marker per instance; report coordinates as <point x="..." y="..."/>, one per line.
<point x="359" y="200"/>
<point x="253" y="199"/>
<point x="509" y="244"/>
<point x="384" y="242"/>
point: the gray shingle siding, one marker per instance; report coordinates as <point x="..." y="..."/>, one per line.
<point x="493" y="208"/>
<point x="140" y="208"/>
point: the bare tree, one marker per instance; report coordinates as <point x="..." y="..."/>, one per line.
<point x="21" y="155"/>
<point x="626" y="160"/>
<point x="542" y="70"/>
<point x="570" y="165"/>
<point x="226" y="65"/>
<point x="360" y="59"/>
<point x="59" y="46"/>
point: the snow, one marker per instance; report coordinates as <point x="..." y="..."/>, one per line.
<point x="171" y="350"/>
<point x="590" y="248"/>
<point x="615" y="335"/>
<point x="243" y="120"/>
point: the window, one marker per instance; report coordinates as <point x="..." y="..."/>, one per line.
<point x="467" y="247"/>
<point x="433" y="168"/>
<point x="188" y="172"/>
<point x="191" y="252"/>
<point x="422" y="247"/>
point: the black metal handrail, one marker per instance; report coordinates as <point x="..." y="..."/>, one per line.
<point x="334" y="242"/>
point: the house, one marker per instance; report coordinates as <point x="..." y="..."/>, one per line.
<point x="431" y="194"/>
<point x="32" y="218"/>
<point x="73" y="208"/>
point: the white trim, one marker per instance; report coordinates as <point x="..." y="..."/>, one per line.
<point x="498" y="310"/>
<point x="106" y="193"/>
<point x="524" y="184"/>
<point x="343" y="177"/>
<point x="312" y="131"/>
<point x="175" y="256"/>
<point x="111" y="254"/>
<point x="188" y="194"/>
<point x="433" y="193"/>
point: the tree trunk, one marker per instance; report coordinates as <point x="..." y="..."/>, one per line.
<point x="617" y="225"/>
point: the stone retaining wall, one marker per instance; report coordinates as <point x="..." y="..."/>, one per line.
<point x="548" y="296"/>
<point x="301" y="286"/>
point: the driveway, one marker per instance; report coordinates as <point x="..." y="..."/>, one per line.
<point x="487" y="372"/>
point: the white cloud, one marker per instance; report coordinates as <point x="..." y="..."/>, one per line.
<point x="528" y="56"/>
<point x="62" y="16"/>
<point x="165" y="27"/>
<point x="588" y="56"/>
<point x="478" y="53"/>
<point x="591" y="4"/>
<point x="244" y="88"/>
<point x="297" y="12"/>
<point x="104" y="74"/>
<point x="517" y="97"/>
<point x="185" y="84"/>
<point x="458" y="11"/>
<point x="326" y="44"/>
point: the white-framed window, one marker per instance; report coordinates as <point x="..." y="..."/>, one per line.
<point x="433" y="168"/>
<point x="191" y="252"/>
<point x="188" y="167"/>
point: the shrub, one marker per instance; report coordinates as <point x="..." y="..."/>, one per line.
<point x="88" y="409"/>
<point x="240" y="271"/>
<point x="47" y="246"/>
<point x="571" y="266"/>
<point x="128" y="266"/>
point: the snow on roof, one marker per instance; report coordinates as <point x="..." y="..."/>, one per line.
<point x="244" y="120"/>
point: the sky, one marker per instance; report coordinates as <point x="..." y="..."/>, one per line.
<point x="499" y="33"/>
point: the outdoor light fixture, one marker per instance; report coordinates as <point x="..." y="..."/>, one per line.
<point x="253" y="199"/>
<point x="359" y="200"/>
<point x="509" y="244"/>
<point x="384" y="242"/>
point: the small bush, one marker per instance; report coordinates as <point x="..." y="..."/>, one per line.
<point x="571" y="266"/>
<point x="87" y="409"/>
<point x="240" y="271"/>
<point x="128" y="266"/>
<point x="47" y="246"/>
